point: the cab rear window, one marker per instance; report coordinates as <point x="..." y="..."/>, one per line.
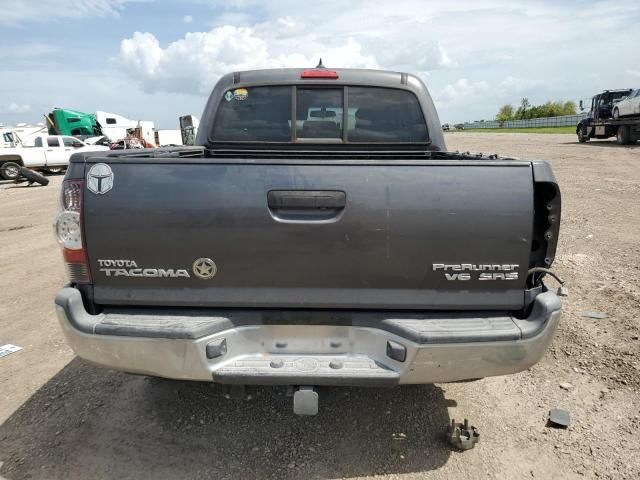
<point x="260" y="114"/>
<point x="319" y="114"/>
<point x="384" y="115"/>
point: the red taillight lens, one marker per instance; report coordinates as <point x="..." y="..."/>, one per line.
<point x="319" y="73"/>
<point x="68" y="230"/>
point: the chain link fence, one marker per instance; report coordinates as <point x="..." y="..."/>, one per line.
<point x="561" y="121"/>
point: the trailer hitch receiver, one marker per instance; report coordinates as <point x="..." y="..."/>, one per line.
<point x="305" y="401"/>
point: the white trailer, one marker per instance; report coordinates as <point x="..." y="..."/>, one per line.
<point x="165" y="137"/>
<point x="115" y="126"/>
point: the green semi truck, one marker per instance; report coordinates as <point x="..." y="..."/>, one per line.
<point x="61" y="121"/>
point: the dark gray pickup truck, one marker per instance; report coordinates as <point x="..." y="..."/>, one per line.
<point x="319" y="234"/>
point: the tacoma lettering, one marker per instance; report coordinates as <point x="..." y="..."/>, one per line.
<point x="115" y="268"/>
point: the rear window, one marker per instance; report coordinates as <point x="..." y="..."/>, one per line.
<point x="370" y="115"/>
<point x="385" y="115"/>
<point x="260" y="114"/>
<point x="319" y="112"/>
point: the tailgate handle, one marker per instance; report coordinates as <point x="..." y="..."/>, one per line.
<point x="307" y="199"/>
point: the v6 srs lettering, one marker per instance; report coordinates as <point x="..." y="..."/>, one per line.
<point x="467" y="271"/>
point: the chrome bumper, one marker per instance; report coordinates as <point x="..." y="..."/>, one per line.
<point x="358" y="353"/>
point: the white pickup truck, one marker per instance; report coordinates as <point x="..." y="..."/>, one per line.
<point x="50" y="153"/>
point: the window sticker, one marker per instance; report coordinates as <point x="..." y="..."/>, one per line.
<point x="228" y="96"/>
<point x="240" y="94"/>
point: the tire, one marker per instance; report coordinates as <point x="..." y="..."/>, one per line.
<point x="54" y="170"/>
<point x="34" y="176"/>
<point x="623" y="135"/>
<point x="616" y="114"/>
<point x="10" y="171"/>
<point x="582" y="138"/>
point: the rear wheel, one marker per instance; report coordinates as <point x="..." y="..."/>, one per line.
<point x="623" y="135"/>
<point x="54" y="170"/>
<point x="10" y="170"/>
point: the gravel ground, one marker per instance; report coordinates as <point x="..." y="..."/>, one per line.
<point x="64" y="419"/>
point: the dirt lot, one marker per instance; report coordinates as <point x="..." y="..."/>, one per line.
<point x="62" y="418"/>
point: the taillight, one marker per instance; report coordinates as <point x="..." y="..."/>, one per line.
<point x="68" y="230"/>
<point x="546" y="224"/>
<point x="319" y="73"/>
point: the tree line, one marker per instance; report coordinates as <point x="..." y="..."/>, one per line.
<point x="526" y="111"/>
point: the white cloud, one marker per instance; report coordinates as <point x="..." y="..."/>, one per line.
<point x="17" y="108"/>
<point x="17" y="12"/>
<point x="193" y="63"/>
<point x="443" y="57"/>
<point x="287" y="22"/>
<point x="462" y="88"/>
<point x="515" y="85"/>
<point x="187" y="19"/>
<point x="360" y="36"/>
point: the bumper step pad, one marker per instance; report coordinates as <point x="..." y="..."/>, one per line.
<point x="303" y="370"/>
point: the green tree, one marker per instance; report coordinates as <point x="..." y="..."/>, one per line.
<point x="504" y="114"/>
<point x="522" y="113"/>
<point x="569" y="108"/>
<point x="526" y="111"/>
<point x="548" y="109"/>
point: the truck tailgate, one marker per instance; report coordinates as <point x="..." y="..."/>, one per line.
<point x="312" y="234"/>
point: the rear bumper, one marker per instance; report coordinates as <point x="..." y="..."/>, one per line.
<point x="357" y="348"/>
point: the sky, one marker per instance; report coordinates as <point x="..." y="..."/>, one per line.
<point x="157" y="60"/>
